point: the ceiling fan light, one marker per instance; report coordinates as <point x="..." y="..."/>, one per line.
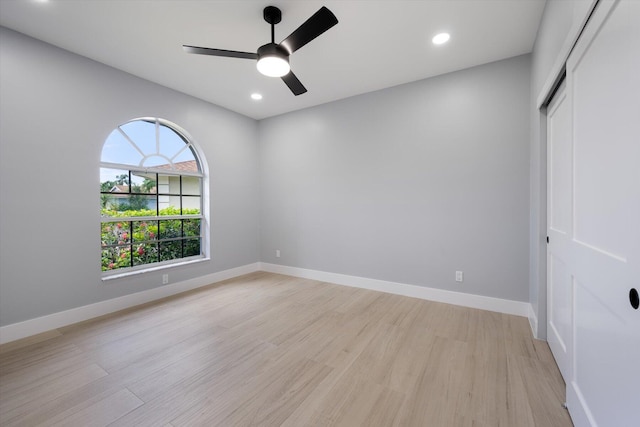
<point x="273" y="66"/>
<point x="273" y="60"/>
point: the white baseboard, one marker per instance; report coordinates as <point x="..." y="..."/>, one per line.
<point x="533" y="321"/>
<point x="38" y="325"/>
<point x="518" y="308"/>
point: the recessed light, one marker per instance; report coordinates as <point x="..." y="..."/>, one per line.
<point x="256" y="96"/>
<point x="440" y="38"/>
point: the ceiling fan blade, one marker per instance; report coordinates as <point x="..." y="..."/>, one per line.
<point x="294" y="84"/>
<point x="219" y="52"/>
<point x="319" y="22"/>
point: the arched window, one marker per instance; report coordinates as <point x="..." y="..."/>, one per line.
<point x="150" y="197"/>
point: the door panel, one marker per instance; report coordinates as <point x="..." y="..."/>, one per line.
<point x="603" y="255"/>
<point x="604" y="163"/>
<point x="560" y="316"/>
<point x="559" y="161"/>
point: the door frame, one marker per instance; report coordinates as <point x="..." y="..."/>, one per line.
<point x="562" y="351"/>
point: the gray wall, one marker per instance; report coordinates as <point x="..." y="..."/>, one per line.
<point x="407" y="184"/>
<point x="557" y="28"/>
<point x="56" y="110"/>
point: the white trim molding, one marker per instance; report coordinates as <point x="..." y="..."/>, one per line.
<point x="517" y="308"/>
<point x="38" y="325"/>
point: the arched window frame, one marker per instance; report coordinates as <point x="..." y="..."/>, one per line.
<point x="159" y="171"/>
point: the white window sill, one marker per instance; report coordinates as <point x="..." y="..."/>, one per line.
<point x="156" y="267"/>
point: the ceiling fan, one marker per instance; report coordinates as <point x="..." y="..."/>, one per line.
<point x="273" y="59"/>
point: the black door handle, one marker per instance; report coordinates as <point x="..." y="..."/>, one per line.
<point x="634" y="299"/>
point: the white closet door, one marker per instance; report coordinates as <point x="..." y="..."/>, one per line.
<point x="603" y="86"/>
<point x="559" y="223"/>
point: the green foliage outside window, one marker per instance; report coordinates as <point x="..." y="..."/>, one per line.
<point x="126" y="242"/>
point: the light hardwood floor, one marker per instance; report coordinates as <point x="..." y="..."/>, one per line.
<point x="272" y="350"/>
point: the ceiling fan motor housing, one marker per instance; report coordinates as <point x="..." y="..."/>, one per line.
<point x="272" y="49"/>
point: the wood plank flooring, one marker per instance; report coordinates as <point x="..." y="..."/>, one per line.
<point x="272" y="350"/>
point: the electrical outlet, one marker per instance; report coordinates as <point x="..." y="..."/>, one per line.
<point x="277" y="253"/>
<point x="459" y="276"/>
<point x="165" y="279"/>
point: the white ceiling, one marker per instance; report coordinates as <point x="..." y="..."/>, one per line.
<point x="376" y="44"/>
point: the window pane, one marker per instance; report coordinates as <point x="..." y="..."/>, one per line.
<point x="163" y="184"/>
<point x="145" y="253"/>
<point x="171" y="143"/>
<point x="157" y="162"/>
<point x="114" y="180"/>
<point x="143" y="135"/>
<point x="144" y="231"/>
<point x="169" y="184"/>
<point x="191" y="227"/>
<point x="128" y="205"/>
<point x="190" y="205"/>
<point x="191" y="247"/>
<point x="170" y="250"/>
<point x="115" y="233"/>
<point x="171" y="207"/>
<point x="183" y="162"/>
<point x="191" y="185"/>
<point x="116" y="257"/>
<point x="117" y="149"/>
<point x="142" y="182"/>
<point x="170" y="228"/>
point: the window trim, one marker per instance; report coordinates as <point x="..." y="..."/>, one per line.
<point x="149" y="170"/>
<point x="156" y="266"/>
